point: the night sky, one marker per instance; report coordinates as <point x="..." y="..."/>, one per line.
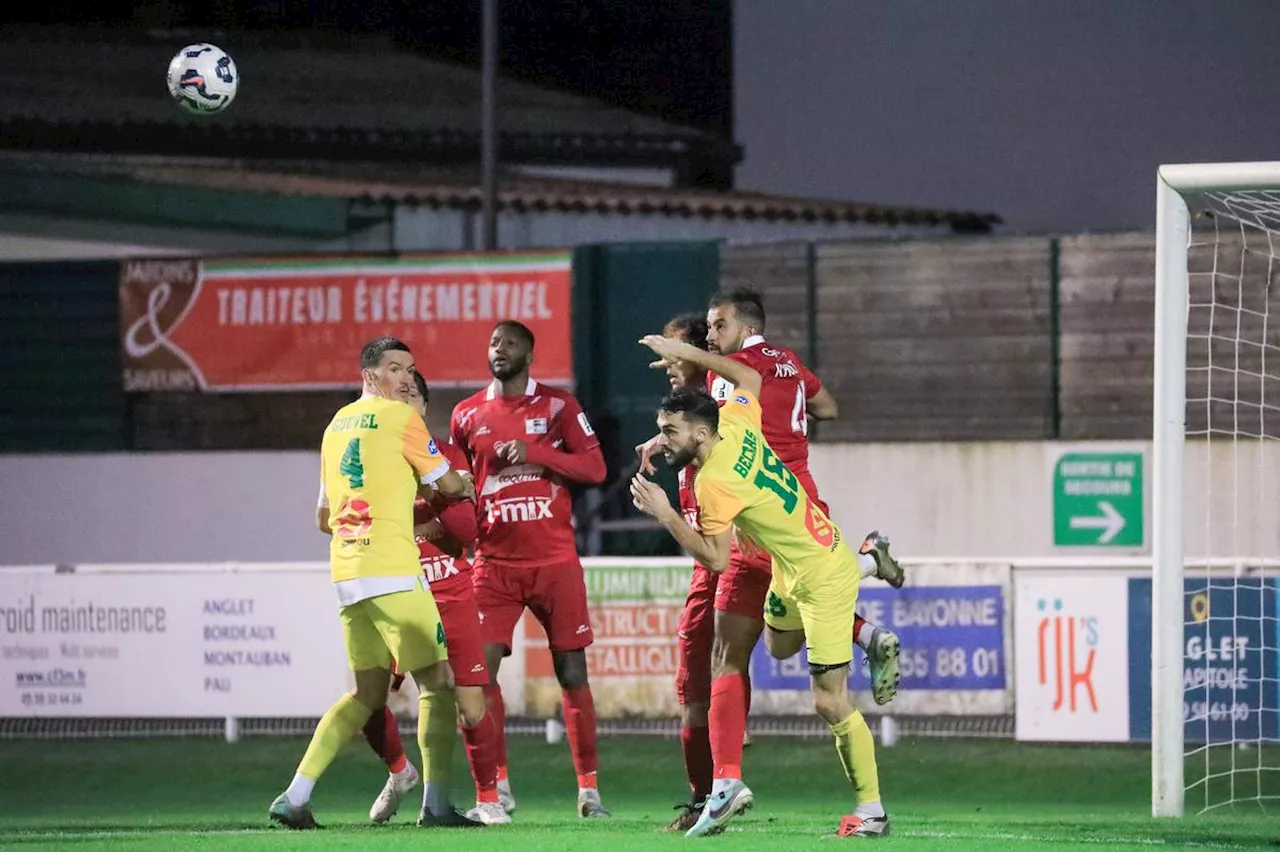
<point x="1053" y="113"/>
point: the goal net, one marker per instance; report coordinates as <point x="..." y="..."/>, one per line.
<point x="1216" y="476"/>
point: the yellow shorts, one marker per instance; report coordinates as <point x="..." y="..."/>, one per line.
<point x="401" y="626"/>
<point x="822" y="601"/>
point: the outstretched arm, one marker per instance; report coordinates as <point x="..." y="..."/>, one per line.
<point x="669" y="349"/>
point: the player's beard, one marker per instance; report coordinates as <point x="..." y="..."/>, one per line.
<point x="513" y="368"/>
<point x="681" y="459"/>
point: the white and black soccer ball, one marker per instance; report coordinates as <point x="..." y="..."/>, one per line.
<point x="203" y="79"/>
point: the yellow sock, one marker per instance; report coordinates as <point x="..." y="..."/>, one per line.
<point x="857" y="752"/>
<point x="437" y="721"/>
<point x="343" y="721"/>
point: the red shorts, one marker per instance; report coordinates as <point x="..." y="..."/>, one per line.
<point x="696" y="632"/>
<point x="555" y="593"/>
<point x="463" y="639"/>
<point x="744" y="585"/>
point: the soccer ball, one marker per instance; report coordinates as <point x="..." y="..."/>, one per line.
<point x="203" y="79"/>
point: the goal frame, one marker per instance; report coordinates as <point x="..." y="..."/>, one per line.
<point x="1172" y="305"/>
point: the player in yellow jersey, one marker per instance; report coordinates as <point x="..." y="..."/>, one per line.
<point x="375" y="456"/>
<point x="744" y="490"/>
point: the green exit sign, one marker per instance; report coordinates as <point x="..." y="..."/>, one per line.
<point x="1097" y="500"/>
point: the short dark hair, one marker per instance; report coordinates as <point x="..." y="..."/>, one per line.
<point x="748" y="304"/>
<point x="517" y="328"/>
<point x="421" y="384"/>
<point x="371" y="354"/>
<point x="695" y="405"/>
<point x="692" y="327"/>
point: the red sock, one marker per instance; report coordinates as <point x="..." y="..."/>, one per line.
<point x="696" y="743"/>
<point x="858" y="623"/>
<point x="383" y="736"/>
<point x="580" y="726"/>
<point x="497" y="712"/>
<point x="481" y="743"/>
<point x="727" y="720"/>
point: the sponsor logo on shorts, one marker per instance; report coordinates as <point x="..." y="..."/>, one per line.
<point x="439" y="568"/>
<point x="582" y="628"/>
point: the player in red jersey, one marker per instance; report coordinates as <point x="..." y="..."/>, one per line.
<point x="697" y="623"/>
<point x="789" y="394"/>
<point x="525" y="442"/>
<point x="444" y="530"/>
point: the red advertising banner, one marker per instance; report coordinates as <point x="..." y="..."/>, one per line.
<point x="299" y="323"/>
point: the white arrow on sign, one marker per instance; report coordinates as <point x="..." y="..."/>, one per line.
<point x="1110" y="522"/>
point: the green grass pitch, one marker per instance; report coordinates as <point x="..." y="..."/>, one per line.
<point x="196" y="794"/>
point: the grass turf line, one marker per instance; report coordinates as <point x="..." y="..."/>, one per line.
<point x="179" y="794"/>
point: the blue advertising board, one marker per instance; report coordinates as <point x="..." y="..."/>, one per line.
<point x="1230" y="660"/>
<point x="952" y="639"/>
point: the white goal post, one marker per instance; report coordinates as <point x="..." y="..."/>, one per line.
<point x="1217" y="248"/>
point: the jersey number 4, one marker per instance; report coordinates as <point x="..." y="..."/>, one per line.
<point x="799" y="414"/>
<point x="351" y="466"/>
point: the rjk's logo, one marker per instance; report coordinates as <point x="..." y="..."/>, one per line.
<point x="519" y="509"/>
<point x="1056" y="651"/>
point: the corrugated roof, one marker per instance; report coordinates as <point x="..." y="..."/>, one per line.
<point x="458" y="188"/>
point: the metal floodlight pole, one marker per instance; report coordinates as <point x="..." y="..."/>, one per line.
<point x="489" y="124"/>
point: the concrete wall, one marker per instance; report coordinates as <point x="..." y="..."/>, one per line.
<point x="963" y="501"/>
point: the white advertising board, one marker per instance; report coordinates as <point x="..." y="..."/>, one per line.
<point x="1071" y="638"/>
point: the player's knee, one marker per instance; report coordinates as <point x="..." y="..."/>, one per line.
<point x="436" y="677"/>
<point x="493" y="655"/>
<point x="830" y="692"/>
<point x="471" y="704"/>
<point x="371" y="688"/>
<point x="693" y="715"/>
<point x="571" y="668"/>
<point x="369" y="699"/>
<point x="729" y="655"/>
<point x="783" y="644"/>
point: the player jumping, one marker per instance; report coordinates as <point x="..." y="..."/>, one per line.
<point x="742" y="484"/>
<point x="525" y="442"/>
<point x="789" y="391"/>
<point x="444" y="529"/>
<point x="375" y="455"/>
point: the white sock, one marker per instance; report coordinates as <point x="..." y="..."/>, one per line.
<point x="435" y="798"/>
<point x="869" y="810"/>
<point x="867" y="563"/>
<point x="719" y="785"/>
<point x="299" y="792"/>
<point x="862" y="638"/>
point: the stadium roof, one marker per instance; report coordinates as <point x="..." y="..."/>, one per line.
<point x="458" y="188"/>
